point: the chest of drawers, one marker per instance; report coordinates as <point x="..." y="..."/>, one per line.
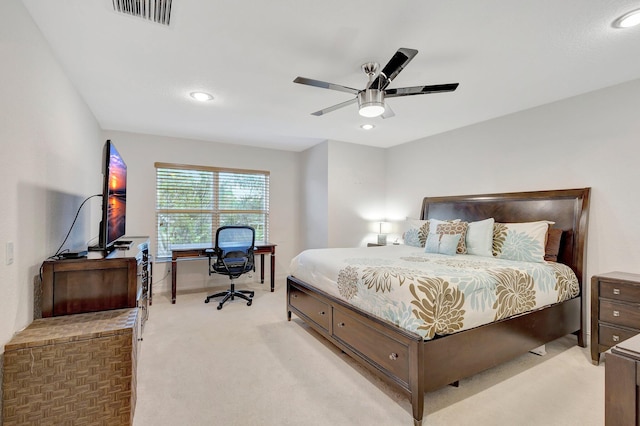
<point x="615" y="310"/>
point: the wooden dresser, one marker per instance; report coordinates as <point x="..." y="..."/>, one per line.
<point x="615" y="310"/>
<point x="72" y="370"/>
<point x="621" y="381"/>
<point x="121" y="279"/>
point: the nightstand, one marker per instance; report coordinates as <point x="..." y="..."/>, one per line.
<point x="621" y="380"/>
<point x="615" y="310"/>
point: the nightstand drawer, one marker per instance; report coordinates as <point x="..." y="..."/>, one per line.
<point x="615" y="310"/>
<point x="620" y="313"/>
<point x="620" y="291"/>
<point x="611" y="336"/>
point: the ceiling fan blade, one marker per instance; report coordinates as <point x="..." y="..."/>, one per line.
<point x="396" y="64"/>
<point x="420" y="90"/>
<point x="398" y="61"/>
<point x="388" y="112"/>
<point x="335" y="107"/>
<point x="325" y="85"/>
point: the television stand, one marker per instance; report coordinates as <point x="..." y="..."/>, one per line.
<point x="101" y="281"/>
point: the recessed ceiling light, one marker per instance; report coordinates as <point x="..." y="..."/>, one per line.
<point x="367" y="126"/>
<point x="628" y="19"/>
<point x="201" y="96"/>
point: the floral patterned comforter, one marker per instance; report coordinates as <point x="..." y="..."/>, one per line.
<point x="434" y="294"/>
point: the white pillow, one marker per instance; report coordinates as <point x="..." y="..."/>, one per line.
<point x="480" y="237"/>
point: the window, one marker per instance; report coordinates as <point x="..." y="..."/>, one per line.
<point x="193" y="201"/>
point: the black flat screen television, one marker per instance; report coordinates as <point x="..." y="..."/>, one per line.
<point x="114" y="197"/>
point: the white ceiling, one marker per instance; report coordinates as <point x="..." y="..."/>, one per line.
<point x="507" y="55"/>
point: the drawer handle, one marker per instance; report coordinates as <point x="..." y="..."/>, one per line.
<point x="616" y="338"/>
<point x="616" y="291"/>
<point x="616" y="313"/>
<point x="340" y="324"/>
<point x="295" y="296"/>
<point x="321" y="312"/>
<point x="393" y="356"/>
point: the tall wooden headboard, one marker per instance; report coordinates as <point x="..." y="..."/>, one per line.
<point x="568" y="208"/>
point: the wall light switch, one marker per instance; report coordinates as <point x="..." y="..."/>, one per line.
<point x="9" y="252"/>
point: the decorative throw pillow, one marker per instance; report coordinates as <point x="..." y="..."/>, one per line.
<point x="455" y="228"/>
<point x="416" y="231"/>
<point x="520" y="241"/>
<point x="442" y="243"/>
<point x="552" y="248"/>
<point x="480" y="237"/>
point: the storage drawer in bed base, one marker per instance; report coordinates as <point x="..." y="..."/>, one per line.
<point x="314" y="309"/>
<point x="386" y="349"/>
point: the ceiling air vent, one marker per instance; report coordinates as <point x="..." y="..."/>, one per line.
<point x="158" y="11"/>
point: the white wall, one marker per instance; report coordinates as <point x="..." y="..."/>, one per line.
<point x="315" y="196"/>
<point x="343" y="193"/>
<point x="50" y="162"/>
<point x="356" y="183"/>
<point x="591" y="140"/>
<point x="140" y="152"/>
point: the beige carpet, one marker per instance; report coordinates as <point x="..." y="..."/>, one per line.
<point x="250" y="366"/>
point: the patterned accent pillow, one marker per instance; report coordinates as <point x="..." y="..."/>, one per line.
<point x="455" y="228"/>
<point x="520" y="241"/>
<point x="416" y="232"/>
<point x="442" y="243"/>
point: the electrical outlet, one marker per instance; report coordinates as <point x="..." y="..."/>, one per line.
<point x="9" y="252"/>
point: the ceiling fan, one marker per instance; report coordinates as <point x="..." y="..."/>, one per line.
<point x="371" y="99"/>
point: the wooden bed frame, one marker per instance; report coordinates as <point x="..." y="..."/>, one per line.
<point x="417" y="366"/>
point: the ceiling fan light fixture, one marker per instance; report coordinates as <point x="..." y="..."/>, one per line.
<point x="628" y="19"/>
<point x="371" y="103"/>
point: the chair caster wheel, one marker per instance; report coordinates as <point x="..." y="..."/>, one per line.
<point x="249" y="303"/>
<point x="219" y="307"/>
<point x="206" y="300"/>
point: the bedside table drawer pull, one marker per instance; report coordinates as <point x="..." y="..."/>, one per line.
<point x="616" y="291"/>
<point x="616" y="313"/>
<point x="321" y="312"/>
<point x="616" y="338"/>
<point x="340" y="324"/>
<point x="393" y="356"/>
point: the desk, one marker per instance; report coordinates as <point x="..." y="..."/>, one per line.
<point x="261" y="249"/>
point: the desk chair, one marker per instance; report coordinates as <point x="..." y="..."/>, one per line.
<point x="233" y="254"/>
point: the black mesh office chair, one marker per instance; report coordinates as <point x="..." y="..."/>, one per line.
<point x="232" y="256"/>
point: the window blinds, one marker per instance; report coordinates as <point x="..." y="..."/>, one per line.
<point x="193" y="201"/>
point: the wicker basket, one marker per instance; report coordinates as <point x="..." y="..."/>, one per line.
<point x="72" y="370"/>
